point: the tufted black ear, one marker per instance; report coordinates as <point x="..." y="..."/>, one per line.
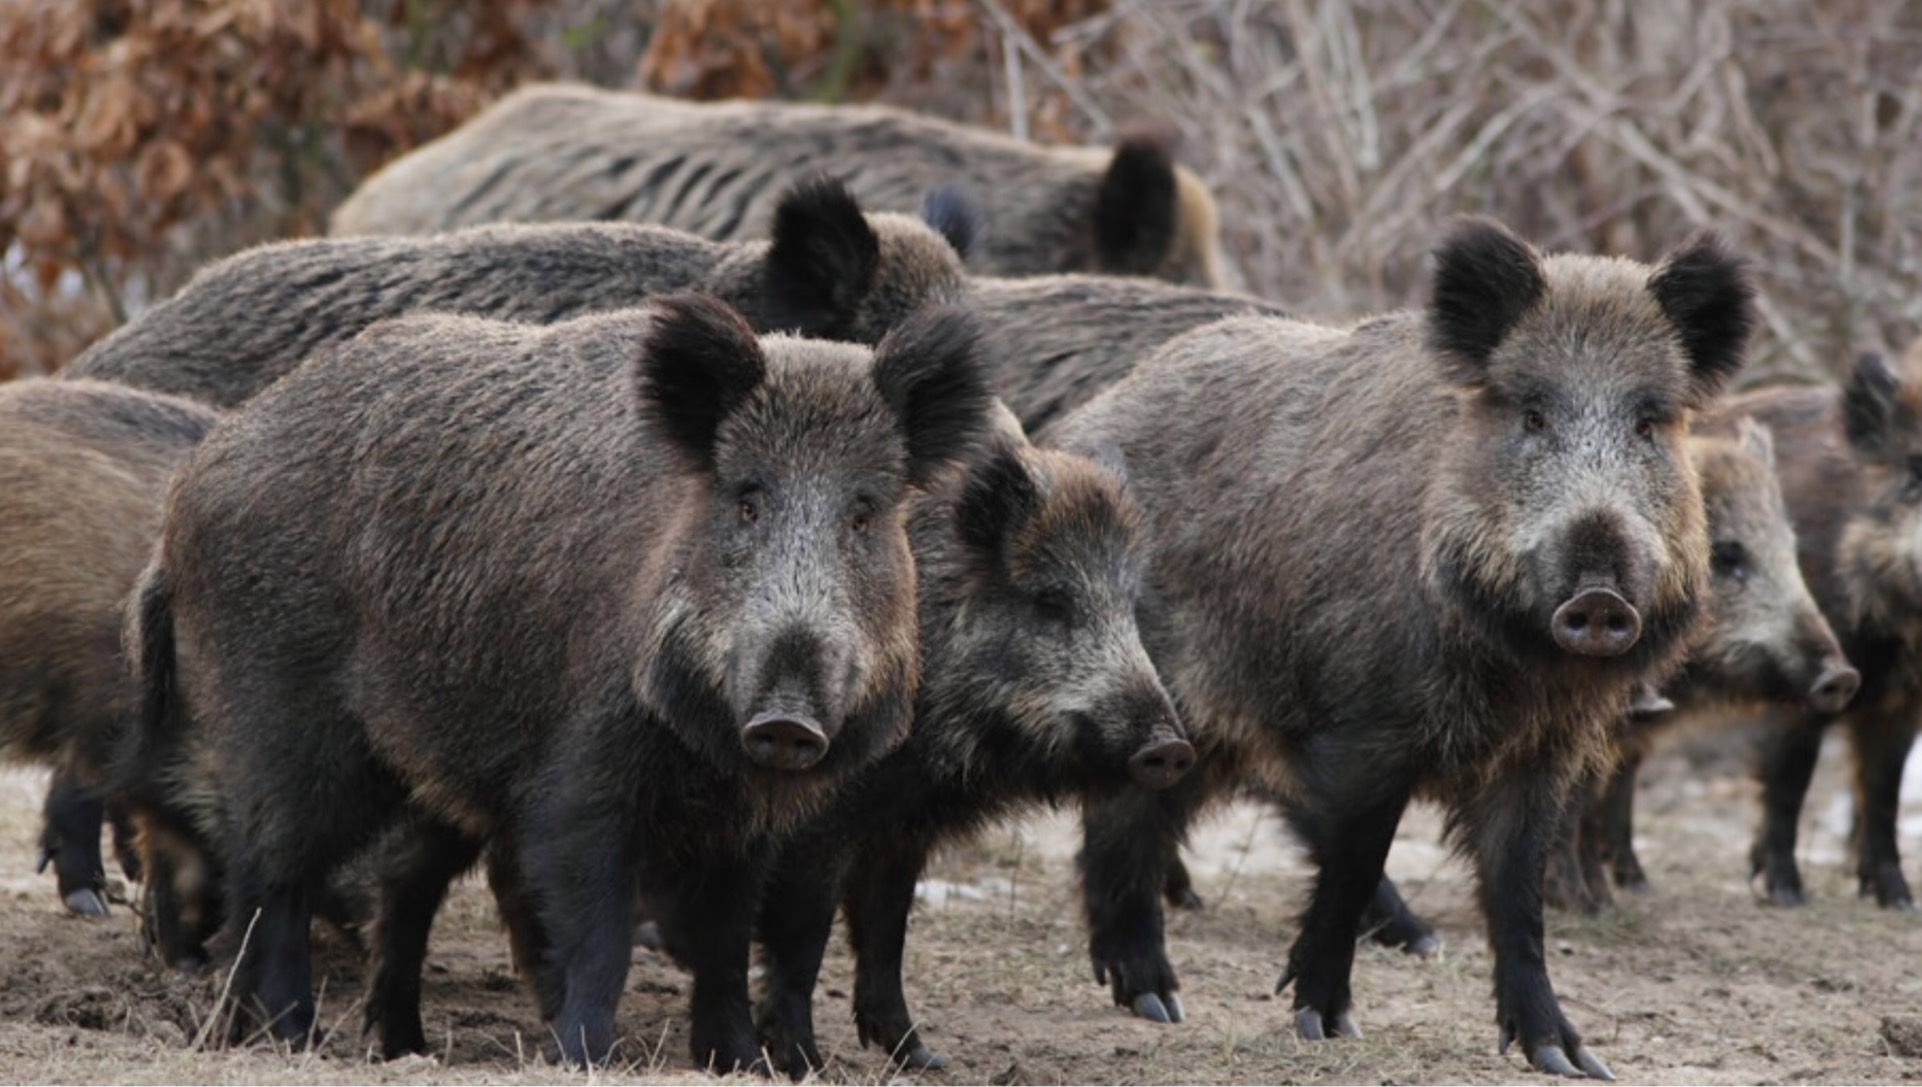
<point x="955" y="215"/>
<point x="821" y="262"/>
<point x="1486" y="280"/>
<point x="698" y="363"/>
<point x="1136" y="209"/>
<point x="1704" y="288"/>
<point x="933" y="371"/>
<point x="999" y="495"/>
<point x="1868" y="406"/>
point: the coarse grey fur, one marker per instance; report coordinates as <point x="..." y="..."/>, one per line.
<point x="553" y="152"/>
<point x="1061" y="340"/>
<point x="1429" y="554"/>
<point x="241" y="323"/>
<point x="510" y="585"/>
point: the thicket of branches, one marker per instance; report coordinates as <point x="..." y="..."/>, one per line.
<point x="139" y="138"/>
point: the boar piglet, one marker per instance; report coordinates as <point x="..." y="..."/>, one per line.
<point x="1764" y="639"/>
<point x="1430" y="554"/>
<point x="635" y="588"/>
<point x="1850" y="459"/>
<point x="83" y="478"/>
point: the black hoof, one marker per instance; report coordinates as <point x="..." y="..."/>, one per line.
<point x="1310" y="1026"/>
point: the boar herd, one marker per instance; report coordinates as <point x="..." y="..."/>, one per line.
<point x="636" y="500"/>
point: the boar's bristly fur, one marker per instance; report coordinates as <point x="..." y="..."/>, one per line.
<point x="1850" y="459"/>
<point x="1433" y="554"/>
<point x="555" y="152"/>
<point x="84" y="468"/>
<point x="462" y="582"/>
<point x="829" y="272"/>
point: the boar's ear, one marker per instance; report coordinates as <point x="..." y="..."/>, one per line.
<point x="1486" y="280"/>
<point x="1004" y="425"/>
<point x="822" y="260"/>
<point x="1704" y="288"/>
<point x="1136" y="209"/>
<point x="1757" y="438"/>
<point x="999" y="495"/>
<point x="932" y="371"/>
<point x="953" y="214"/>
<point x="1868" y="405"/>
<point x="699" y="363"/>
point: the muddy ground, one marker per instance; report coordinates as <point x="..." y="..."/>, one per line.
<point x="1696" y="983"/>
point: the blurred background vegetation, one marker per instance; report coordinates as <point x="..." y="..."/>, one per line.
<point x="140" y="138"/>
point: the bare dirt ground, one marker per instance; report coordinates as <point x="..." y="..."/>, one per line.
<point x="1696" y="983"/>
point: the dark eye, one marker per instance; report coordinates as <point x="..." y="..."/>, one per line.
<point x="1729" y="559"/>
<point x="860" y="521"/>
<point x="1535" y="420"/>
<point x="750" y="509"/>
<point x="1054" y="605"/>
<point x="1644" y="428"/>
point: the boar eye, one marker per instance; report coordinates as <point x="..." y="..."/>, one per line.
<point x="860" y="520"/>
<point x="1644" y="427"/>
<point x="750" y="507"/>
<point x="1535" y="420"/>
<point x="1054" y="605"/>
<point x="1729" y="559"/>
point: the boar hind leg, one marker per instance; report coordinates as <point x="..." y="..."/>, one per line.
<point x="1510" y="827"/>
<point x="416" y="872"/>
<point x="1789" y="753"/>
<point x="796" y="920"/>
<point x="70" y="841"/>
<point x="1389" y="922"/>
<point x="1570" y="882"/>
<point x="1127" y="843"/>
<point x="1608" y="830"/>
<point x="880" y="894"/>
<point x="1881" y="748"/>
<point x="1178" y="888"/>
<point x="1349" y="848"/>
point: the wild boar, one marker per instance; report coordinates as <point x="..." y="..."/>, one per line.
<point x="1433" y="553"/>
<point x="635" y="587"/>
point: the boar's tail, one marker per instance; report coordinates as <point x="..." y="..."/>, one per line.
<point x="149" y="645"/>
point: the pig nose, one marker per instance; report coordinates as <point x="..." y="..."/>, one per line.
<point x="784" y="741"/>
<point x="1597" y="623"/>
<point x="1834" y="688"/>
<point x="1161" y="763"/>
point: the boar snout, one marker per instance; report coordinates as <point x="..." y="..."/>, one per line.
<point x="1597" y="622"/>
<point x="1161" y="762"/>
<point x="1834" y="688"/>
<point x="784" y="741"/>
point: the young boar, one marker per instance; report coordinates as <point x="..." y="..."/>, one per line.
<point x="83" y="477"/>
<point x="559" y="152"/>
<point x="1431" y="554"/>
<point x="634" y="588"/>
<point x="1035" y="687"/>
<point x="1851" y="465"/>
<point x="828" y="272"/>
<point x="1764" y="639"/>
